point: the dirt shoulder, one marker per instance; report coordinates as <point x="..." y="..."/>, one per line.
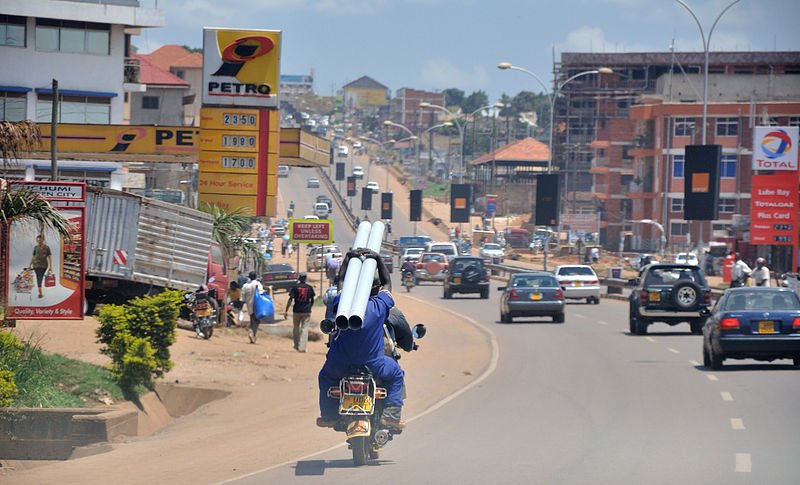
<point x="269" y="416"/>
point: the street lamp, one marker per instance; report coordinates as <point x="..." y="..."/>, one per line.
<point x="706" y="46"/>
<point x="663" y="239"/>
<point x="552" y="97"/>
<point x="381" y="145"/>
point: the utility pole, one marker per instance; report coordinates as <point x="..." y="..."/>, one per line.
<point x="53" y="134"/>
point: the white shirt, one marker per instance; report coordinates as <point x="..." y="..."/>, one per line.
<point x="761" y="276"/>
<point x="249" y="292"/>
<point x="740" y="269"/>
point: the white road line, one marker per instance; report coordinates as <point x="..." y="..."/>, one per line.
<point x="712" y="377"/>
<point x="743" y="463"/>
<point x="694" y="363"/>
<point x="578" y="315"/>
<point x="650" y="339"/>
<point x="674" y="351"/>
<point x="602" y="322"/>
<point x="737" y="424"/>
<point x="726" y="396"/>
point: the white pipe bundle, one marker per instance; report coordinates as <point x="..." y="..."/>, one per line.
<point x="365" y="278"/>
<point x="350" y="282"/>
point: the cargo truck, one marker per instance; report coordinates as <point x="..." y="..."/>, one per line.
<point x="138" y="246"/>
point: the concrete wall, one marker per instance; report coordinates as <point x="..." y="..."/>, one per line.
<point x="731" y="87"/>
<point x="170" y="107"/>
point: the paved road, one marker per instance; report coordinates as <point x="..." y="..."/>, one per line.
<point x="583" y="402"/>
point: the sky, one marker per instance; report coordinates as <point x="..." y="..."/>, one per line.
<point x="440" y="44"/>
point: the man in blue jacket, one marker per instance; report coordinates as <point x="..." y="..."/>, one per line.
<point x="364" y="346"/>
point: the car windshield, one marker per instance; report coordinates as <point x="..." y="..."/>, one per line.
<point x="433" y="258"/>
<point x="762" y="301"/>
<point x="533" y="281"/>
<point x="443" y="249"/>
<point x="661" y="276"/>
<point x="575" y="271"/>
<point x="491" y="246"/>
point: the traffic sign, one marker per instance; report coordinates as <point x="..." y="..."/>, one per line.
<point x="309" y="231"/>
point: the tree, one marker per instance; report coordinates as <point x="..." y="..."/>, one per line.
<point x="453" y="97"/>
<point x="474" y="101"/>
<point x="15" y="137"/>
<point x="230" y="231"/>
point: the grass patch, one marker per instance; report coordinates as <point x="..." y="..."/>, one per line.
<point x="55" y="381"/>
<point x="435" y="190"/>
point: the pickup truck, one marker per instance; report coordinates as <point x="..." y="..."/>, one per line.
<point x="137" y="246"/>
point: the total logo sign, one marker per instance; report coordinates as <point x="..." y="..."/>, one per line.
<point x="241" y="67"/>
<point x="775" y="148"/>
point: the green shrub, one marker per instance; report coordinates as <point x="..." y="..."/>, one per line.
<point x="137" y="336"/>
<point x="8" y="388"/>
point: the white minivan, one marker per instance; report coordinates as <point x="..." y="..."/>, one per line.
<point x="321" y="209"/>
<point x="283" y="171"/>
<point x="449" y="249"/>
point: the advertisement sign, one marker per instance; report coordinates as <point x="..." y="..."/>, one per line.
<point x="45" y="272"/>
<point x="491" y="204"/>
<point x="55" y="191"/>
<point x="701" y="182"/>
<point x="310" y="231"/>
<point x="775" y="147"/>
<point x="774" y="210"/>
<point x="161" y="140"/>
<point x="241" y="67"/>
<point x="227" y="118"/>
<point x="230" y="184"/>
<point x="460" y="209"/>
<point x="581" y="222"/>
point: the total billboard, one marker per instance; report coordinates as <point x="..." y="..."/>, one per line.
<point x="241" y="67"/>
<point x="774" y="210"/>
<point x="775" y="148"/>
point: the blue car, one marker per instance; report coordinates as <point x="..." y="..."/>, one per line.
<point x="753" y="323"/>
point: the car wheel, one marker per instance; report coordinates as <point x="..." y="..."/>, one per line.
<point x="503" y="317"/>
<point x="696" y="326"/>
<point x="597" y="300"/>
<point x="558" y="318"/>
<point x="590" y="300"/>
<point x="706" y="358"/>
<point x="641" y="326"/>
<point x="716" y="359"/>
<point x="632" y="323"/>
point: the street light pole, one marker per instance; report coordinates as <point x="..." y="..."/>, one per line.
<point x="706" y="47"/>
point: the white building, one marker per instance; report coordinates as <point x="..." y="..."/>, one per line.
<point x="84" y="44"/>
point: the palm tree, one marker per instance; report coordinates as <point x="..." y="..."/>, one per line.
<point x="15" y="137"/>
<point x="230" y="232"/>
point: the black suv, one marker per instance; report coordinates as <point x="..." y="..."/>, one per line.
<point x="466" y="274"/>
<point x="669" y="293"/>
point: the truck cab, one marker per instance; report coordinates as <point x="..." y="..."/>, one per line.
<point x="217" y="277"/>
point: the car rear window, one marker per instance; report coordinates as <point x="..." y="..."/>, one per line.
<point x="762" y="301"/>
<point x="459" y="265"/>
<point x="429" y="258"/>
<point x="277" y="267"/>
<point x="529" y="281"/>
<point x="575" y="271"/>
<point x="668" y="276"/>
<point x="444" y="249"/>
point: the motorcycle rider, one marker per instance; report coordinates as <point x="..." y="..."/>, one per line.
<point x="363" y="346"/>
<point x="408" y="267"/>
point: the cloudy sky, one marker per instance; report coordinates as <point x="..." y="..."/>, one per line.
<point x="438" y="44"/>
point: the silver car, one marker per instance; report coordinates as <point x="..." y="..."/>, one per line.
<point x="533" y="294"/>
<point x="579" y="281"/>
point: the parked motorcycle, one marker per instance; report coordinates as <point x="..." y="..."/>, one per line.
<point x="361" y="404"/>
<point x="200" y="310"/>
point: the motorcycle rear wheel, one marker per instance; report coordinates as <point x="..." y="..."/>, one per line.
<point x="360" y="445"/>
<point x="207" y="332"/>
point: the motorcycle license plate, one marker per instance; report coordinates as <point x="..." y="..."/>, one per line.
<point x="536" y="296"/>
<point x="654" y="296"/>
<point x="355" y="403"/>
<point x="766" y="326"/>
<point x="457" y="281"/>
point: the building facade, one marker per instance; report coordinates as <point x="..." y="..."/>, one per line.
<point x="84" y="45"/>
<point x="404" y="108"/>
<point x="365" y="95"/>
<point x="163" y="102"/>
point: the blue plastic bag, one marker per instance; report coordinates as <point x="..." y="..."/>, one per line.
<point x="263" y="307"/>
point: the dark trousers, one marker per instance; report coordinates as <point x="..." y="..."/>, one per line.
<point x="386" y="369"/>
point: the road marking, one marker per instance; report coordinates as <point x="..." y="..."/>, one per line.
<point x="694" y="363"/>
<point x="602" y="322"/>
<point x="674" y="351"/>
<point x="726" y="396"/>
<point x="712" y="377"/>
<point x="579" y="315"/>
<point x="650" y="339"/>
<point x="737" y="424"/>
<point x="743" y="463"/>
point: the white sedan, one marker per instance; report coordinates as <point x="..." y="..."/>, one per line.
<point x="372" y="185"/>
<point x="579" y="281"/>
<point x="687" y="258"/>
<point x="492" y="251"/>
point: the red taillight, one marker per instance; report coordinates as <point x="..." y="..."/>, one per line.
<point x="563" y="283"/>
<point x="559" y="294"/>
<point x="642" y="297"/>
<point x="591" y="282"/>
<point x="512" y="295"/>
<point x="796" y="324"/>
<point x="729" y="324"/>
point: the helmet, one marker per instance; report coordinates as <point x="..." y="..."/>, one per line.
<point x="761" y="261"/>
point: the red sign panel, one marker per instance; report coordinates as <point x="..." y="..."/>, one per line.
<point x="310" y="231"/>
<point x="774" y="210"/>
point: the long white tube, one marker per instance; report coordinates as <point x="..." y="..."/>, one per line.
<point x="359" y="305"/>
<point x="351" y="276"/>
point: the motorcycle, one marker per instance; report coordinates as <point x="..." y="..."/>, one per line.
<point x="201" y="312"/>
<point x="408" y="280"/>
<point x="361" y="404"/>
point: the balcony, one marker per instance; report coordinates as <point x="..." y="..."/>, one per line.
<point x="600" y="165"/>
<point x="132" y="70"/>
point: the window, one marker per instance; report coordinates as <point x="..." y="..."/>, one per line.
<point x="678" y="228"/>
<point x="69" y="36"/>
<point x="727" y="206"/>
<point x="727" y="126"/>
<point x="12" y="31"/>
<point x="794" y="121"/>
<point x="684" y="126"/>
<point x="727" y="166"/>
<point x="676" y="205"/>
<point x="13" y="106"/>
<point x="149" y="102"/>
<point x="180" y="73"/>
<point x="677" y="166"/>
<point x="75" y="109"/>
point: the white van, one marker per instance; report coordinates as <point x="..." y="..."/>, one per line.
<point x="447" y="248"/>
<point x="321" y="209"/>
<point x="283" y="171"/>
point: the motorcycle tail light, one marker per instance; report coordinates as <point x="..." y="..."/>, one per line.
<point x="729" y="324"/>
<point x="796" y="324"/>
<point x="559" y="294"/>
<point x="512" y="295"/>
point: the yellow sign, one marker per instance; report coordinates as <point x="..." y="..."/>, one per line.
<point x="122" y="139"/>
<point x="230" y="184"/>
<point x="241" y="67"/>
<point x="229" y="141"/>
<point x="229" y="119"/>
<point x="228" y="162"/>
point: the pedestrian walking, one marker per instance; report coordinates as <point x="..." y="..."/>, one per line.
<point x="761" y="273"/>
<point x="284" y="247"/>
<point x="270" y="247"/>
<point x="740" y="273"/>
<point x="302" y="294"/>
<point x="331" y="268"/>
<point x="248" y="294"/>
